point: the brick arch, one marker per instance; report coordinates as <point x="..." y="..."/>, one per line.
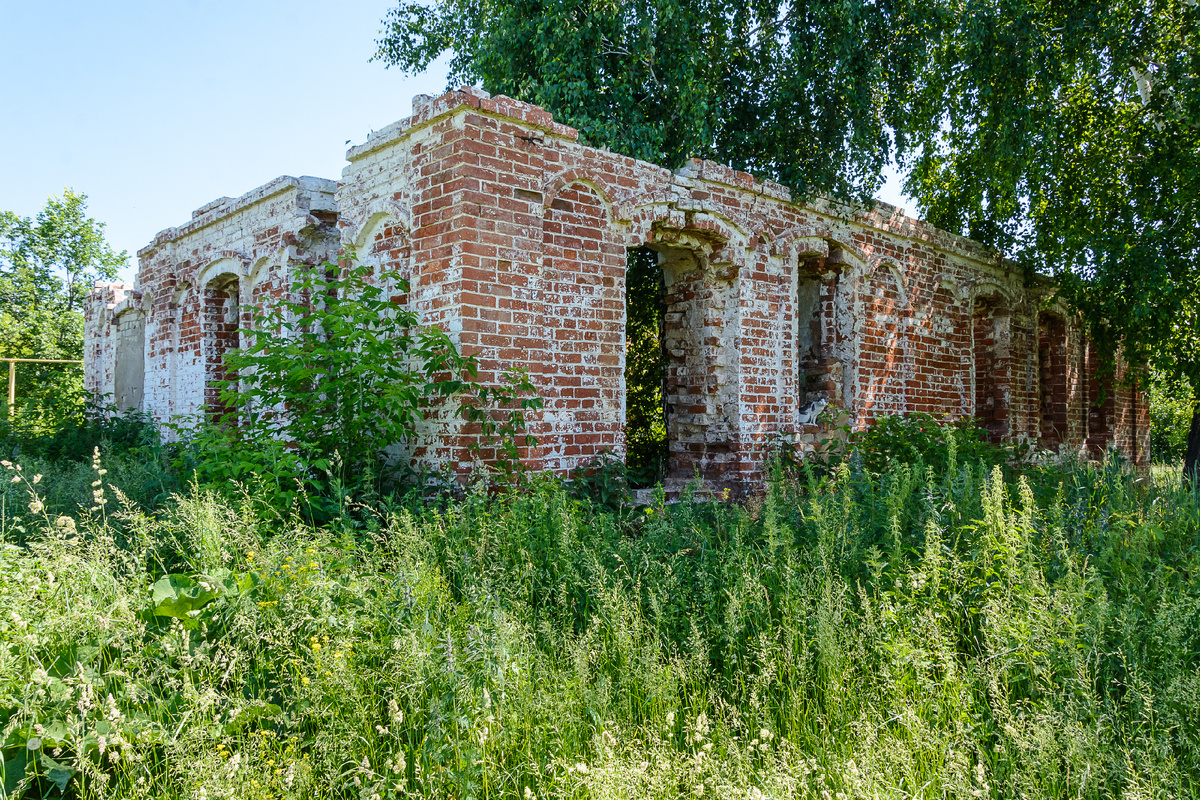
<point x="642" y="220"/>
<point x="793" y="240"/>
<point x="733" y="220"/>
<point x="889" y="263"/>
<point x="225" y="265"/>
<point x="599" y="184"/>
<point x="268" y="278"/>
<point x="356" y="230"/>
<point x="628" y="207"/>
<point x="990" y="289"/>
<point x="382" y="241"/>
<point x="711" y="224"/>
<point x="884" y="360"/>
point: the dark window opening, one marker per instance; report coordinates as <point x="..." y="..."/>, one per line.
<point x="220" y="320"/>
<point x="1052" y="381"/>
<point x="646" y="365"/>
<point x="991" y="396"/>
<point x="810" y="357"/>
<point x="1099" y="407"/>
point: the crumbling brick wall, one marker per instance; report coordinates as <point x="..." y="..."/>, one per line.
<point x="200" y="281"/>
<point x="514" y="238"/>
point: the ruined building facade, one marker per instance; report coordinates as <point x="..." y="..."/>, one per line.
<point x="514" y="238"/>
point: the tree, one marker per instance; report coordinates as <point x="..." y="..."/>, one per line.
<point x="801" y="92"/>
<point x="47" y="265"/>
<point x="1067" y="135"/>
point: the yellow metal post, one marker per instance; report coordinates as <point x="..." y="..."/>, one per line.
<point x="12" y="385"/>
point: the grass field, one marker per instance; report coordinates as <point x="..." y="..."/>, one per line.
<point x="959" y="632"/>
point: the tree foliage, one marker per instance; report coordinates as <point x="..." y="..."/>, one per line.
<point x="800" y="92"/>
<point x="1067" y="135"/>
<point x="48" y="263"/>
<point x="47" y="266"/>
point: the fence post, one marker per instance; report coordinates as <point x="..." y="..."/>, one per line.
<point x="12" y="385"/>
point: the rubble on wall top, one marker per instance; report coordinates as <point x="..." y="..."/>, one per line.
<point x="204" y="209"/>
<point x="426" y="109"/>
<point x="318" y="191"/>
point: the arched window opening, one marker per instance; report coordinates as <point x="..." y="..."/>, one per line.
<point x="130" y="363"/>
<point x="990" y="331"/>
<point x="220" y="323"/>
<point x="1100" y="407"/>
<point x="1052" y="381"/>
<point x="811" y="360"/>
<point x="667" y="380"/>
<point x="646" y="366"/>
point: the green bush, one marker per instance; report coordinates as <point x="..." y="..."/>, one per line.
<point x="1171" y="410"/>
<point x="334" y="374"/>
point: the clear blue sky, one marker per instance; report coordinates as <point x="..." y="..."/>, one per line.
<point x="154" y="108"/>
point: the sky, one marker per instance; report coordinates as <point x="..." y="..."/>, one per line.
<point x="152" y="109"/>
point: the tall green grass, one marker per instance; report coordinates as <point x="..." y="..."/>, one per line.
<point x="919" y="634"/>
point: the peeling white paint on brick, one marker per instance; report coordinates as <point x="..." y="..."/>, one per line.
<point x="514" y="239"/>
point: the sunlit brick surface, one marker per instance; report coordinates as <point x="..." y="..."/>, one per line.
<point x="514" y="238"/>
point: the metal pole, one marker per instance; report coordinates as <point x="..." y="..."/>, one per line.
<point x="12" y="386"/>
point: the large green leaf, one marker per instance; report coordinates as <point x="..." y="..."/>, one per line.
<point x="14" y="771"/>
<point x="179" y="596"/>
<point x="56" y="772"/>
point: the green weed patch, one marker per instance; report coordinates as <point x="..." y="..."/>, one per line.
<point x="924" y="632"/>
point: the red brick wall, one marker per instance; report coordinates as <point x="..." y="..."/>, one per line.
<point x="515" y="237"/>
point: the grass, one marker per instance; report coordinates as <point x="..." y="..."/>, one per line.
<point x="965" y="632"/>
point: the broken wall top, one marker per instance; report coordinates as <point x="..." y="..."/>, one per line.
<point x="373" y="181"/>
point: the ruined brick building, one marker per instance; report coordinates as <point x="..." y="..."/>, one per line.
<point x="515" y="237"/>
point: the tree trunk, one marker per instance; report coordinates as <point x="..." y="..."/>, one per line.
<point x="1191" y="458"/>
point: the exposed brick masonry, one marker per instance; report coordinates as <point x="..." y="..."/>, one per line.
<point x="514" y="239"/>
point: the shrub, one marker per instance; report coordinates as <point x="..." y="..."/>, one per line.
<point x="333" y="374"/>
<point x="1171" y="409"/>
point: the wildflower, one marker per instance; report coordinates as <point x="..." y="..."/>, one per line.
<point x="581" y="768"/>
<point x="699" y="790"/>
<point x="529" y="795"/>
<point x="37" y="479"/>
<point x="7" y="464"/>
<point x="36" y="507"/>
<point x="15" y="479"/>
<point x="304" y="681"/>
<point x="65" y="524"/>
<point x="34" y="743"/>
